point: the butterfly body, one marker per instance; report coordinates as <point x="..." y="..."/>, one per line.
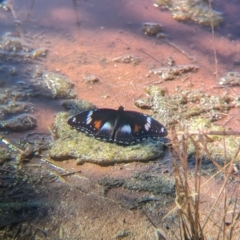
<point x="119" y="126"/>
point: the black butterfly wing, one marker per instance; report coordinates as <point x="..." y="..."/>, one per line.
<point x="98" y="123"/>
<point x="135" y="127"/>
<point x="122" y="127"/>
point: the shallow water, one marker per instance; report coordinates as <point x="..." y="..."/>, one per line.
<point x="82" y="38"/>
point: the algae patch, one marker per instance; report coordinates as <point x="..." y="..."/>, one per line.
<point x="142" y="182"/>
<point x="210" y="140"/>
<point x="150" y="183"/>
<point x="186" y="10"/>
<point x="231" y="79"/>
<point x="183" y="106"/>
<point x="193" y="113"/>
<point x="173" y="72"/>
<point x="74" y="144"/>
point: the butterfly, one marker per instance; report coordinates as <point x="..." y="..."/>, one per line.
<point x="118" y="126"/>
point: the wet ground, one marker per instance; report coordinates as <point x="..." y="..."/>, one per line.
<point x="103" y="53"/>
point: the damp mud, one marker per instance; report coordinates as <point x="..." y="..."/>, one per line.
<point x="160" y="58"/>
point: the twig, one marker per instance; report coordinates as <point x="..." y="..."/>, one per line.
<point x="30" y="9"/>
<point x="143" y="51"/>
<point x="10" y="145"/>
<point x="219" y="194"/>
<point x="220" y="133"/>
<point x="69" y="173"/>
<point x="181" y="51"/>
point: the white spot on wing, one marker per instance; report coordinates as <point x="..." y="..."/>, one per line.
<point x="126" y="129"/>
<point x="107" y="126"/>
<point x="148" y="124"/>
<point x="74" y="119"/>
<point x="89" y="117"/>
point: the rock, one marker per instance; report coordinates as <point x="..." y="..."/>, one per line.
<point x="20" y="123"/>
<point x="72" y="144"/>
